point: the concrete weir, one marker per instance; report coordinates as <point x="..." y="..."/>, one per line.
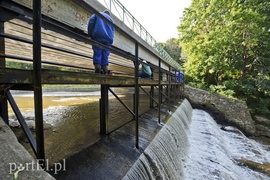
<point x="162" y="159"/>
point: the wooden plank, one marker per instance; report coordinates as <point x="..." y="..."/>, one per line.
<point x="23" y="30"/>
<point x="25" y="77"/>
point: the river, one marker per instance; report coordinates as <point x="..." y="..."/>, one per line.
<point x="72" y="119"/>
<point x="73" y="127"/>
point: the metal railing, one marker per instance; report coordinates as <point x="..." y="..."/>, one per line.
<point x="128" y="19"/>
<point x="30" y="40"/>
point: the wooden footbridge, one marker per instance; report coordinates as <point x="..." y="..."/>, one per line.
<point x="48" y="43"/>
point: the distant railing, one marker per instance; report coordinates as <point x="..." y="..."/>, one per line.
<point x="128" y="19"/>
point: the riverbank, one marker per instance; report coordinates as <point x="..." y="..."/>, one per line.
<point x="16" y="161"/>
<point x="229" y="111"/>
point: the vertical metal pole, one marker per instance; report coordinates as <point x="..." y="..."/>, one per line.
<point x="137" y="93"/>
<point x="111" y="5"/>
<point x="152" y="94"/>
<point x="133" y="23"/>
<point x="140" y="30"/>
<point x="134" y="105"/>
<point x="2" y="44"/>
<point x="177" y="92"/>
<point x="104" y="109"/>
<point x="162" y="91"/>
<point x="159" y="89"/>
<point x="169" y="88"/>
<point x="123" y="18"/>
<point x="3" y="102"/>
<point x="37" y="80"/>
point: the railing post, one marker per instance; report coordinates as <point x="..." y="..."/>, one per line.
<point x="159" y="89"/>
<point x="133" y="24"/>
<point x="3" y="100"/>
<point x="104" y="109"/>
<point x="123" y="15"/>
<point x="111" y="5"/>
<point x="37" y="81"/>
<point x="140" y="30"/>
<point x="169" y="88"/>
<point x="137" y="93"/>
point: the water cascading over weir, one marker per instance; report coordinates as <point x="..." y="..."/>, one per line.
<point x="163" y="158"/>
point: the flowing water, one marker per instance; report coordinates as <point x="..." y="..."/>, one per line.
<point x="191" y="145"/>
<point x="194" y="147"/>
<point x="217" y="154"/>
<point x="72" y="119"/>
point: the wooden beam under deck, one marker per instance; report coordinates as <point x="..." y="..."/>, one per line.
<point x="25" y="77"/>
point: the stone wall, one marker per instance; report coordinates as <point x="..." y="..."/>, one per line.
<point x="225" y="110"/>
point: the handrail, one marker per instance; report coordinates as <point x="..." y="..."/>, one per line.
<point x="78" y="35"/>
<point x="128" y="19"/>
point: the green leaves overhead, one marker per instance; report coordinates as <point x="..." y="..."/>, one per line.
<point x="228" y="40"/>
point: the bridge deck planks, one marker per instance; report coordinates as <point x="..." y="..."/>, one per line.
<point x="22" y="29"/>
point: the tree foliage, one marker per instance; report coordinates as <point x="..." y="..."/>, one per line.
<point x="227" y="43"/>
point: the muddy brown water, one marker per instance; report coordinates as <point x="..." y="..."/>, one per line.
<point x="73" y="131"/>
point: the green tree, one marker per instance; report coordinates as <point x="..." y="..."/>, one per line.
<point x="173" y="49"/>
<point x="227" y="43"/>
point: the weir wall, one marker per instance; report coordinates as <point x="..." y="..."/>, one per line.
<point x="162" y="159"/>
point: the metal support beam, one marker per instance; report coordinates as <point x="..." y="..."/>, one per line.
<point x="3" y="99"/>
<point x="169" y="88"/>
<point x="137" y="93"/>
<point x="22" y="122"/>
<point x="174" y="94"/>
<point x="162" y="93"/>
<point x="134" y="105"/>
<point x="115" y="95"/>
<point x="2" y="45"/>
<point x="167" y="92"/>
<point x="182" y="89"/>
<point x="149" y="95"/>
<point x="104" y="109"/>
<point x="159" y="89"/>
<point x="152" y="94"/>
<point x="37" y="81"/>
<point x="4" y="107"/>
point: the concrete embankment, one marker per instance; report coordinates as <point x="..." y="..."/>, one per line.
<point x="162" y="159"/>
<point x="16" y="162"/>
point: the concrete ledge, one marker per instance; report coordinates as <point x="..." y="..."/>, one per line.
<point x="163" y="158"/>
<point x="15" y="160"/>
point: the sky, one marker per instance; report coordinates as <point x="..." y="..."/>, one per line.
<point x="159" y="18"/>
